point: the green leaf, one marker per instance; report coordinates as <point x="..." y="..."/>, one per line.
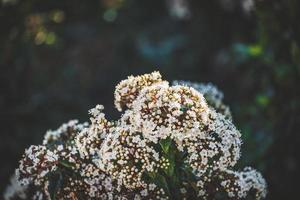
<point x="151" y="175"/>
<point x="55" y="181"/>
<point x="161" y="182"/>
<point x="66" y="164"/>
<point x="165" y="145"/>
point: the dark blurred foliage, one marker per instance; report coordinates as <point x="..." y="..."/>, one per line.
<point x="60" y="58"/>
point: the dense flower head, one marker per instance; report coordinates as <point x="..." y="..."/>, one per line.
<point x="170" y="142"/>
<point x="179" y="114"/>
<point x="56" y="168"/>
<point x="89" y="140"/>
<point x="247" y="183"/>
<point x="212" y="94"/>
<point x="128" y="89"/>
<point x="37" y="162"/>
<point x="238" y="184"/>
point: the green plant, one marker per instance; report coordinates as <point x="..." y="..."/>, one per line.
<point x="172" y="142"/>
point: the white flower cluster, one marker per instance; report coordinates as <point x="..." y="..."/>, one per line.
<point x="212" y="94"/>
<point x="64" y="131"/>
<point x="37" y="163"/>
<point x="240" y="183"/>
<point x="127" y="90"/>
<point x="90" y="138"/>
<point x="58" y="161"/>
<point x="171" y="141"/>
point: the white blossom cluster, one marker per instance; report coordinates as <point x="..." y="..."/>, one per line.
<point x="127" y="90"/>
<point x="212" y="94"/>
<point x="58" y="155"/>
<point x="171" y="141"/>
<point x="242" y="182"/>
<point x="64" y="131"/>
<point x="39" y="161"/>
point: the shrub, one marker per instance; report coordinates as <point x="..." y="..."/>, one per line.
<point x="171" y="142"/>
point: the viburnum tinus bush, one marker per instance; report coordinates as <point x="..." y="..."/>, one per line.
<point x="171" y="142"/>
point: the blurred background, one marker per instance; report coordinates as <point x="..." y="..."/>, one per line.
<point x="60" y="58"/>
